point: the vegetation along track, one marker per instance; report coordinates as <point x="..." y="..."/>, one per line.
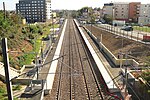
<point x="76" y="79"/>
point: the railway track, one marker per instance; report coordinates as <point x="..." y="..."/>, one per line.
<point x="75" y="78"/>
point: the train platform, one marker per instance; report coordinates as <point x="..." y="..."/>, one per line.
<point x="37" y="87"/>
<point x="46" y="75"/>
<point x="111" y="69"/>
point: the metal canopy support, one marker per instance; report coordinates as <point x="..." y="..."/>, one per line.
<point x="6" y="66"/>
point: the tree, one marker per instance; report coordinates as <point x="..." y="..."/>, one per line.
<point x="108" y="19"/>
<point x="146" y="76"/>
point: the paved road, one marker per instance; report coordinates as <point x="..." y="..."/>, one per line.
<point x="134" y="35"/>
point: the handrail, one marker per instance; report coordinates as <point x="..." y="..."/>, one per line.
<point x="107" y="90"/>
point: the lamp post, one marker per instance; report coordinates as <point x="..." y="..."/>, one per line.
<point x="53" y="27"/>
<point x="126" y="75"/>
<point x="113" y="17"/>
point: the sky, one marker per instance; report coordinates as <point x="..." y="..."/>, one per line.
<point x="70" y="4"/>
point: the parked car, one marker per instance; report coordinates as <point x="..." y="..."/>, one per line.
<point x="127" y="28"/>
<point x="99" y="22"/>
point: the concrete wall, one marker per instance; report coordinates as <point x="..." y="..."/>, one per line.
<point x="22" y="81"/>
<point x="115" y="60"/>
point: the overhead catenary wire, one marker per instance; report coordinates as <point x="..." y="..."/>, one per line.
<point x="36" y="67"/>
<point x="138" y="72"/>
<point x="132" y="89"/>
<point x="141" y="76"/>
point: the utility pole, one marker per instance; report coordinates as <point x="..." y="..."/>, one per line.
<point x="36" y="63"/>
<point x="4" y="10"/>
<point x="126" y="75"/>
<point x="42" y="53"/>
<point x="121" y="58"/>
<point x="101" y="41"/>
<point x="36" y="59"/>
<point x="6" y="66"/>
<point x="53" y="27"/>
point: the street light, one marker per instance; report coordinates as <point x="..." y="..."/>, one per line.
<point x="113" y="10"/>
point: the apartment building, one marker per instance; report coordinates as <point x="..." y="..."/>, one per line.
<point x="121" y="10"/>
<point x="34" y="10"/>
<point x="144" y="17"/>
<point x="117" y="10"/>
<point x="134" y="11"/>
<point x="108" y="9"/>
<point x="126" y="11"/>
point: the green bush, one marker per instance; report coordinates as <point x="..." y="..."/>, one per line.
<point x="2" y="92"/>
<point x="24" y="30"/>
<point x="17" y="87"/>
<point x="33" y="29"/>
<point x="146" y="76"/>
<point x="31" y="36"/>
<point x="26" y="59"/>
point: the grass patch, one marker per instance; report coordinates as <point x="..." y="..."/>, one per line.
<point x="16" y="87"/>
<point x="37" y="45"/>
<point x="3" y="92"/>
<point x="55" y="26"/>
<point x="144" y="28"/>
<point x="26" y="59"/>
<point x="46" y="29"/>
